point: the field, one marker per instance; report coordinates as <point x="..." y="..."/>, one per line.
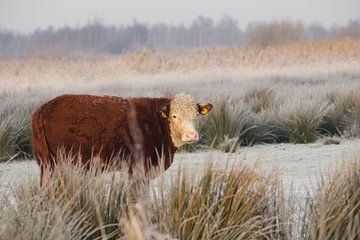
<point x="284" y="96"/>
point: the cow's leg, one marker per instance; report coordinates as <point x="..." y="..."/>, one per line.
<point x="43" y="161"/>
<point x="41" y="176"/>
<point x="46" y="171"/>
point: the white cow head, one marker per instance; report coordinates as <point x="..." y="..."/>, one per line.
<point x="182" y="119"/>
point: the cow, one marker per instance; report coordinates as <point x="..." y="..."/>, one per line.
<point x="144" y="130"/>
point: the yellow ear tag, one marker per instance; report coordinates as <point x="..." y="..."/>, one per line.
<point x="163" y="114"/>
<point x="204" y="111"/>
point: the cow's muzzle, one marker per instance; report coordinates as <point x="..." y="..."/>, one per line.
<point x="190" y="137"/>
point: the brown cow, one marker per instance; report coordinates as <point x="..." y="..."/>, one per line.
<point x="142" y="129"/>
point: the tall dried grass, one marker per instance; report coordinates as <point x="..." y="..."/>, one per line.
<point x="149" y="62"/>
<point x="335" y="211"/>
<point x="301" y="125"/>
<point x="236" y="203"/>
<point x="15" y="130"/>
<point x="224" y="126"/>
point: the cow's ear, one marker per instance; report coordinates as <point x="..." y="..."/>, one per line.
<point x="164" y="111"/>
<point x="204" y="109"/>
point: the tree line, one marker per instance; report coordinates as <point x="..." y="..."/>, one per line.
<point x="96" y="38"/>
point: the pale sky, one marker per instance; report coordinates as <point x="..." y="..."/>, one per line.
<point x="27" y="15"/>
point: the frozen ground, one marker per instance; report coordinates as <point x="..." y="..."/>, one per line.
<point x="299" y="165"/>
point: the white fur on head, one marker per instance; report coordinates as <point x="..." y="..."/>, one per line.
<point x="183" y="112"/>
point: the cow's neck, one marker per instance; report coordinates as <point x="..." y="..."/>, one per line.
<point x="164" y="128"/>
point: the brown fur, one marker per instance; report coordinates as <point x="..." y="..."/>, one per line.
<point x="92" y="125"/>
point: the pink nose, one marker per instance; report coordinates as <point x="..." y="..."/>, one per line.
<point x="192" y="136"/>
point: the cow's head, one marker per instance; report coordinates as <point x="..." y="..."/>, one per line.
<point x="182" y="119"/>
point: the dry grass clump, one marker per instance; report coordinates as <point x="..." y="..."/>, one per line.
<point x="76" y="204"/>
<point x="262" y="131"/>
<point x="15" y="130"/>
<point x="343" y="115"/>
<point x="335" y="211"/>
<point x="346" y="112"/>
<point x="302" y="123"/>
<point x="73" y="204"/>
<point x="224" y="125"/>
<point x="238" y="204"/>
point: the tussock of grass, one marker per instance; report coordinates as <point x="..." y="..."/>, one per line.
<point x="261" y="128"/>
<point x="223" y="123"/>
<point x="263" y="132"/>
<point x="335" y="212"/>
<point x="15" y="137"/>
<point x="302" y="124"/>
<point x="218" y="205"/>
<point x="15" y="125"/>
<point x="352" y="129"/>
<point x="343" y="115"/>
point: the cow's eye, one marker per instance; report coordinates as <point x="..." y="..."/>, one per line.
<point x="174" y="116"/>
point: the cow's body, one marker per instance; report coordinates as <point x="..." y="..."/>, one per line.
<point x="144" y="132"/>
<point x="103" y="126"/>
